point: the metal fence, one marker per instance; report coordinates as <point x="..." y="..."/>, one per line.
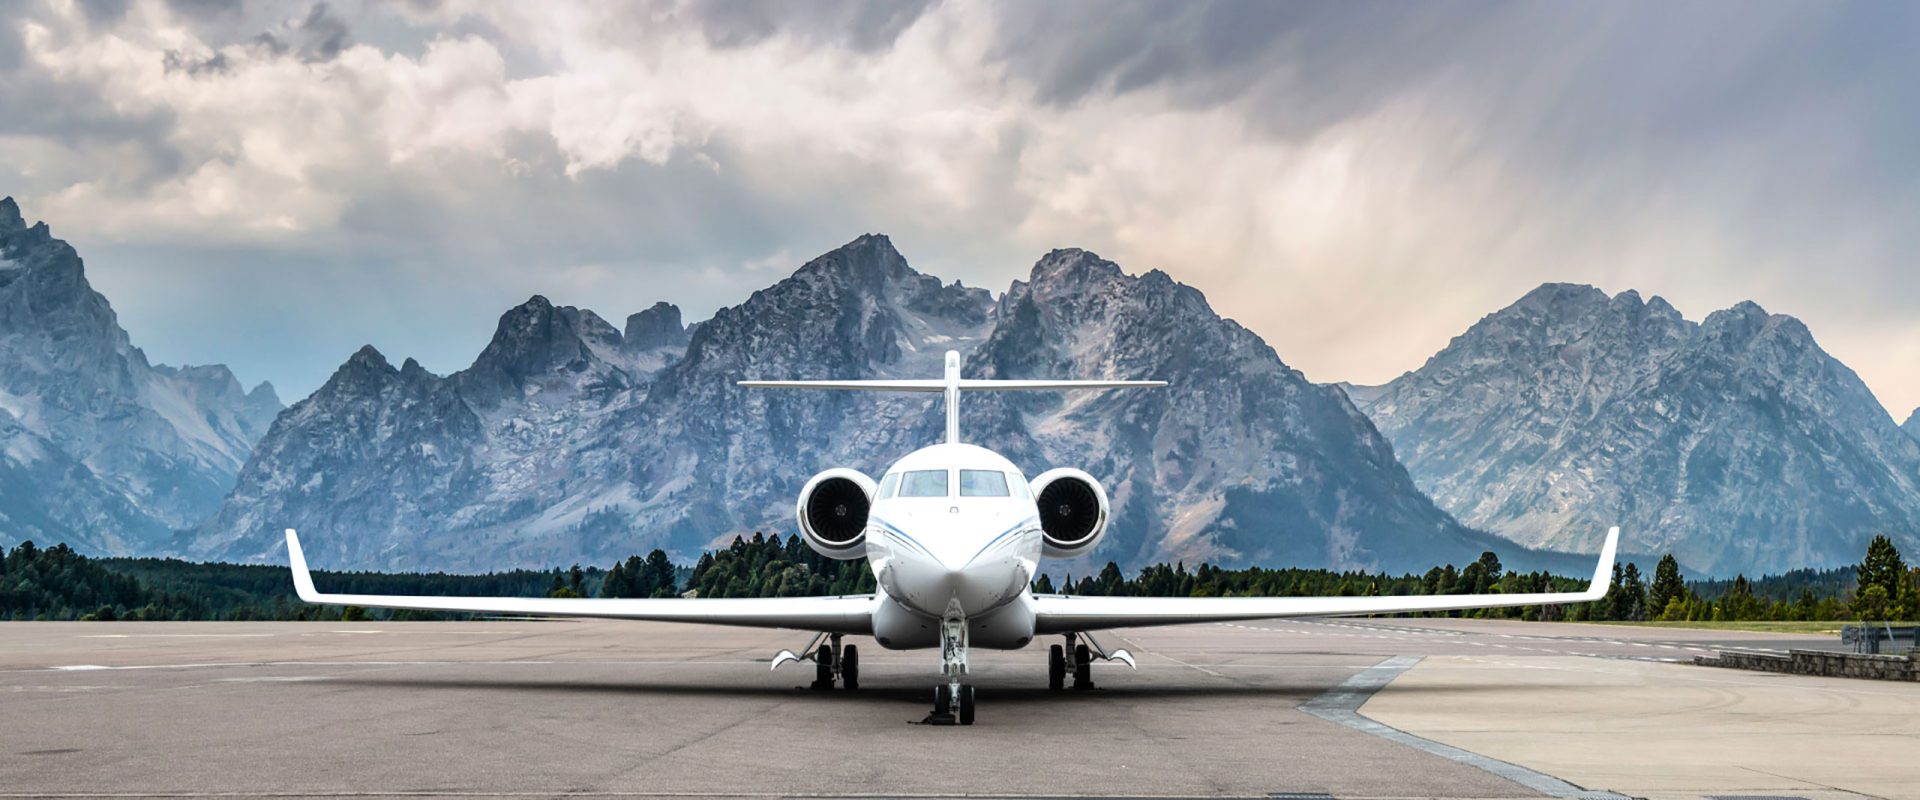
<point x="1874" y="638"/>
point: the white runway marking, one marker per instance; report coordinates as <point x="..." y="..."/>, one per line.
<point x="220" y="665"/>
<point x="1408" y="634"/>
<point x="172" y="635"/>
<point x="275" y="679"/>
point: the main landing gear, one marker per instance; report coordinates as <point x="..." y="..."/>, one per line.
<point x="1058" y="665"/>
<point x="831" y="661"/>
<point x="1076" y="656"/>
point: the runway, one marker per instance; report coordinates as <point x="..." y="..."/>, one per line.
<point x="1284" y="708"/>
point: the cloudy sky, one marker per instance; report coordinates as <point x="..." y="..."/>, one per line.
<point x="271" y="185"/>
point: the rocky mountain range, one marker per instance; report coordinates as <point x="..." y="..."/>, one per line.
<point x="569" y="440"/>
<point x="1912" y="425"/>
<point x="98" y="447"/>
<point x="1736" y="442"/>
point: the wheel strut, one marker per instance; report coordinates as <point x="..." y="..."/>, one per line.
<point x="953" y="700"/>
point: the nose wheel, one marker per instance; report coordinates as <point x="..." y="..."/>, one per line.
<point x="955" y="709"/>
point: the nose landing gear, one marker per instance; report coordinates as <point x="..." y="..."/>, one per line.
<point x="953" y="700"/>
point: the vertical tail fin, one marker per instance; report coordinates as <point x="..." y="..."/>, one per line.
<point x="952" y="392"/>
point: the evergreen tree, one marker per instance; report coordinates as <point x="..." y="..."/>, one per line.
<point x="658" y="576"/>
<point x="1882" y="568"/>
<point x="1473" y="579"/>
<point x="616" y="583"/>
<point x="1630" y="602"/>
<point x="1490" y="564"/>
<point x="1667" y="586"/>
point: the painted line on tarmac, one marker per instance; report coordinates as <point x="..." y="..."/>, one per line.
<point x="223" y="664"/>
<point x="1341" y="705"/>
<point x="172" y="635"/>
<point x="563" y="793"/>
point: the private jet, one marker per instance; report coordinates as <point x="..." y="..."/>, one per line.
<point x="954" y="534"/>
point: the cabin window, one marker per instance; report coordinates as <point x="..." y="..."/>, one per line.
<point x="924" y="483"/>
<point x="889" y="485"/>
<point x="983" y="483"/>
<point x="1019" y="486"/>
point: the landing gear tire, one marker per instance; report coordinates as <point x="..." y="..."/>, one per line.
<point x="942" y="700"/>
<point x="966" y="704"/>
<point x="823" y="668"/>
<point x="1082" y="667"/>
<point x="1056" y="668"/>
<point x="850" y="668"/>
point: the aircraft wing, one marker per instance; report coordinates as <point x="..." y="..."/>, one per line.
<point x="1073" y="614"/>
<point x="846" y="614"/>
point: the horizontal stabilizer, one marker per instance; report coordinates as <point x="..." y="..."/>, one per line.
<point x="968" y="385"/>
<point x="951" y="386"/>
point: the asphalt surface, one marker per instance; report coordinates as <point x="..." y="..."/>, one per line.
<point x="547" y="708"/>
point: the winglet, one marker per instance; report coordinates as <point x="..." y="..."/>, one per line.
<point x="1603" y="572"/>
<point x="302" y="579"/>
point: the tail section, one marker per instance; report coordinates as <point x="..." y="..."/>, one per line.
<point x="951" y="386"/>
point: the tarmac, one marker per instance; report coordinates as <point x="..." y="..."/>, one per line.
<point x="1303" y="709"/>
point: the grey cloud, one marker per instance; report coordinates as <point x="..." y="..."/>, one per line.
<point x="105" y="13"/>
<point x="1792" y="124"/>
<point x="12" y="49"/>
<point x="860" y="25"/>
<point x="322" y="35"/>
<point x="177" y="61"/>
<point x="205" y="9"/>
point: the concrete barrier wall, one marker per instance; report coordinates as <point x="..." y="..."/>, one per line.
<point x="1820" y="662"/>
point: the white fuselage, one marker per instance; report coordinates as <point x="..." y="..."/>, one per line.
<point x="954" y="532"/>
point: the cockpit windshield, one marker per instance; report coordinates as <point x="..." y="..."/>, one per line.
<point x="924" y="483"/>
<point x="983" y="483"/>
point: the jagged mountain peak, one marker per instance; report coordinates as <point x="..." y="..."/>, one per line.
<point x="1912" y="425"/>
<point x="869" y="258"/>
<point x="1551" y="295"/>
<point x="263" y="393"/>
<point x="537" y="337"/>
<point x="368" y="357"/>
<point x="10" y="219"/>
<point x="658" y="326"/>
<point x="363" y="373"/>
<point x="1747" y="319"/>
<point x="1555" y="304"/>
<point x="1072" y="266"/>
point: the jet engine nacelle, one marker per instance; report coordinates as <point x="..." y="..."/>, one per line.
<point x="1073" y="512"/>
<point x="833" y="513"/>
